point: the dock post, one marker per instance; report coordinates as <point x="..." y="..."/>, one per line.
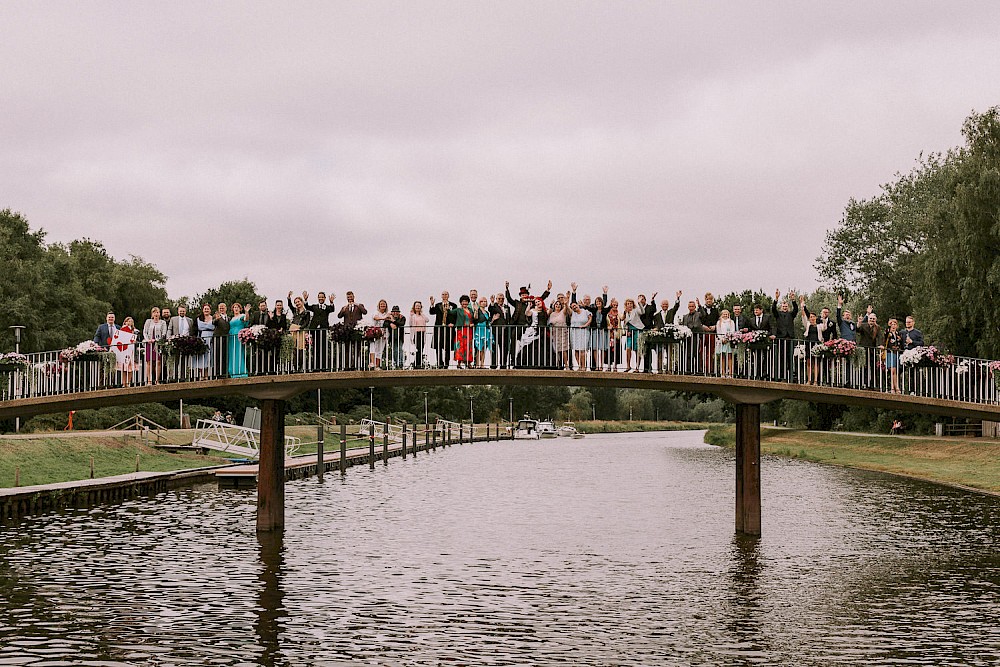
<point x="748" y="469"/>
<point x="404" y="441"/>
<point x="343" y="449"/>
<point x="371" y="447"/>
<point x="434" y="439"/>
<point x="385" y="445"/>
<point x="320" y="464"/>
<point x="271" y="466"/>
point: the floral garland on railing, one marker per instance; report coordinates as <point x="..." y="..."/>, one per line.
<point x="13" y="361"/>
<point x="341" y="333"/>
<point x="261" y="337"/>
<point x="669" y="334"/>
<point x="88" y="350"/>
<point x="373" y="333"/>
<point x="836" y="349"/>
<point x="926" y="356"/>
<point x="995" y="369"/>
<point x="182" y="346"/>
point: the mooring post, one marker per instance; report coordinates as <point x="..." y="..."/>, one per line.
<point x="271" y="466"/>
<point x="404" y="441"/>
<point x="434" y="440"/>
<point x="320" y="464"/>
<point x="385" y="445"/>
<point x="371" y="447"/>
<point x="343" y="449"/>
<point x="748" y="468"/>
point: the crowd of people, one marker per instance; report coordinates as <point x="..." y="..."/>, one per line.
<point x="561" y="331"/>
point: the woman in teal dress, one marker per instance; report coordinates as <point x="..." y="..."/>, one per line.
<point x="237" y="355"/>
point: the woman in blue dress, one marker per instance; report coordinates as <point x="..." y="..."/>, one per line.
<point x="482" y="337"/>
<point x="205" y="327"/>
<point x="237" y="355"/>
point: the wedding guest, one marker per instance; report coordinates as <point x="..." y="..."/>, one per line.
<point x="180" y="325"/>
<point x="153" y="329"/>
<point x="811" y="335"/>
<point x="502" y="338"/>
<point x="464" y="321"/>
<point x="123" y="346"/>
<point x="483" y="334"/>
<point x="376" y="348"/>
<point x="913" y="337"/>
<point x="319" y="322"/>
<point x="709" y="318"/>
<point x="261" y="316"/>
<point x="443" y="338"/>
<point x="869" y="335"/>
<point x="165" y="314"/>
<point x="665" y="316"/>
<point x="220" y="349"/>
<point x="418" y="329"/>
<point x="614" y="356"/>
<point x="692" y="320"/>
<point x="277" y="318"/>
<point x="559" y="333"/>
<point x="845" y="324"/>
<point x="784" y="333"/>
<point x="237" y="362"/>
<point x="894" y="345"/>
<point x="395" y="326"/>
<point x="760" y="357"/>
<point x="632" y="320"/>
<point x="579" y="321"/>
<point x="204" y="329"/>
<point x="106" y="331"/>
<point x="646" y="314"/>
<point x="723" y="348"/>
<point x="352" y="312"/>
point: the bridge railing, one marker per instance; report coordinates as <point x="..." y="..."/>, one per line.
<point x="509" y="346"/>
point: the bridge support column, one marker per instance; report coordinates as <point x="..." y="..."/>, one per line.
<point x="271" y="467"/>
<point x="748" y="468"/>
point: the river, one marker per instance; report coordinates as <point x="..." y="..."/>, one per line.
<point x="610" y="550"/>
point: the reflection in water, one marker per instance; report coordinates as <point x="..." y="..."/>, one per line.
<point x="612" y="550"/>
<point x="270" y="612"/>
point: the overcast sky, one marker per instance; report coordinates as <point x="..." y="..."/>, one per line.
<point x="403" y="148"/>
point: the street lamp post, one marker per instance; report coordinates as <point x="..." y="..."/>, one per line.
<point x="511" y="409"/>
<point x="18" y="328"/>
<point x="427" y="421"/>
<point x="472" y="414"/>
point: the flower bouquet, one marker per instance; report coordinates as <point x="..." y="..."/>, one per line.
<point x="261" y="337"/>
<point x="926" y="356"/>
<point x="341" y="333"/>
<point x="835" y="349"/>
<point x="734" y="338"/>
<point x="674" y="333"/>
<point x="182" y="346"/>
<point x="995" y="369"/>
<point x="373" y="333"/>
<point x="800" y="351"/>
<point x="88" y="350"/>
<point x="13" y="361"/>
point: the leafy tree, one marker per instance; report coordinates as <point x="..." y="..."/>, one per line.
<point x="234" y="291"/>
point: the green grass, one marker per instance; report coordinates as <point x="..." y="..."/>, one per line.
<point x="48" y="460"/>
<point x="600" y="426"/>
<point x="968" y="462"/>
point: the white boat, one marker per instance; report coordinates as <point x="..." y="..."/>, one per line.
<point x="546" y="429"/>
<point x="568" y="430"/>
<point x="527" y="429"/>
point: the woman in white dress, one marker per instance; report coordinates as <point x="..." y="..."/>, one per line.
<point x="418" y="327"/>
<point x="580" y="334"/>
<point x="724" y="326"/>
<point x="528" y="349"/>
<point x="377" y="347"/>
<point x="632" y="324"/>
<point x="123" y="345"/>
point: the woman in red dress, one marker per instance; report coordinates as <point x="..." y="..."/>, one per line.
<point x="464" y="323"/>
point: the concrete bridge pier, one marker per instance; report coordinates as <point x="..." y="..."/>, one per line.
<point x="748" y="468"/>
<point x="271" y="470"/>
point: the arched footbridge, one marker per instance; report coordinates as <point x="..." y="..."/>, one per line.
<point x="45" y="386"/>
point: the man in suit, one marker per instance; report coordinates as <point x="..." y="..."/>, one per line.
<point x="106" y="331"/>
<point x="742" y="324"/>
<point x="220" y="341"/>
<point x="869" y="335"/>
<point x="179" y="325"/>
<point x="319" y="322"/>
<point x="646" y="313"/>
<point x="692" y="320"/>
<point x="352" y="312"/>
<point x="519" y="314"/>
<point x="664" y="316"/>
<point x="499" y="313"/>
<point x="847" y="328"/>
<point x="444" y="328"/>
<point x="784" y="333"/>
<point x="761" y="321"/>
<point x="709" y="318"/>
<point x="261" y="316"/>
<point x="913" y="337"/>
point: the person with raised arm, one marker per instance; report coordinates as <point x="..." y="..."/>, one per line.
<point x="418" y="331"/>
<point x="665" y="316"/>
<point x="869" y="335"/>
<point x="784" y="333"/>
<point x="692" y="352"/>
<point x="813" y="337"/>
<point x="646" y="313"/>
<point x="500" y="355"/>
<point x="709" y="318"/>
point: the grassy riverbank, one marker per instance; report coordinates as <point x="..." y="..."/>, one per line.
<point x="966" y="462"/>
<point x="46" y="460"/>
<point x="601" y="426"/>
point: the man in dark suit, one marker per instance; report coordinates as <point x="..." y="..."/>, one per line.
<point x="847" y="328"/>
<point x="709" y="319"/>
<point x="319" y="322"/>
<point x="106" y="331"/>
<point x="444" y="328"/>
<point x="647" y="311"/>
<point x="869" y="335"/>
<point x="352" y="312"/>
<point x="519" y="314"/>
<point x="692" y="346"/>
<point x="261" y="316"/>
<point x="913" y="337"/>
<point x="220" y="341"/>
<point x="761" y="359"/>
<point x="784" y="333"/>
<point x="499" y="314"/>
<point x="664" y="316"/>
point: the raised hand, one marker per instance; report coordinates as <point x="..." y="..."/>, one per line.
<point x="431" y="299"/>
<point x="777" y="294"/>
<point x="679" y="292"/>
<point x="697" y="302"/>
<point x="506" y="284"/>
<point x="652" y="299"/>
<point x="289" y="294"/>
<point x="573" y="285"/>
<point x="840" y="300"/>
<point x="332" y="297"/>
<point x="870" y="309"/>
<point x="305" y="295"/>
<point x="549" y="288"/>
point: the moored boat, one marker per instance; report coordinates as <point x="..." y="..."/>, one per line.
<point x="568" y="430"/>
<point x="546" y="429"/>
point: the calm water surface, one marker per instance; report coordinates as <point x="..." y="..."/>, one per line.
<point x="611" y="550"/>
